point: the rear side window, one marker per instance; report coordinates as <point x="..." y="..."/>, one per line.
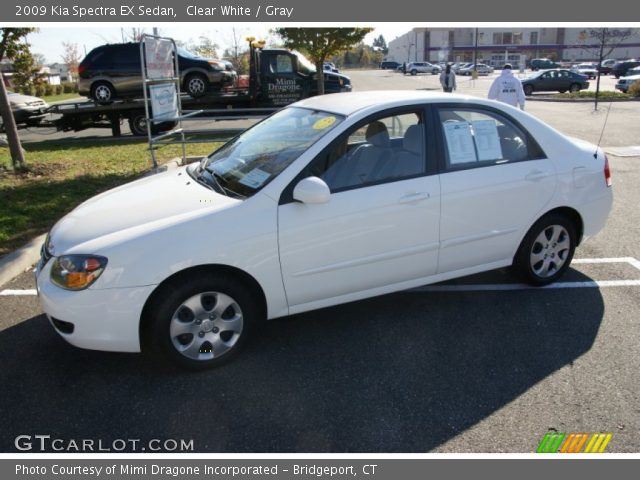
<point x="475" y="138"/>
<point x="96" y="58"/>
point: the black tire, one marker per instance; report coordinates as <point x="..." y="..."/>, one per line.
<point x="562" y="91"/>
<point x="103" y="92"/>
<point x="196" y="85"/>
<point x="554" y="254"/>
<point x="574" y="88"/>
<point x="528" y="90"/>
<point x="169" y="306"/>
<point x="138" y="124"/>
<point x="414" y="72"/>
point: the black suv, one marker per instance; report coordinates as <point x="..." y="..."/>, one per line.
<point x="620" y="69"/>
<point x="111" y="71"/>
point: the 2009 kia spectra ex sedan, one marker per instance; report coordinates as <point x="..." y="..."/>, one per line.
<point x="332" y="199"/>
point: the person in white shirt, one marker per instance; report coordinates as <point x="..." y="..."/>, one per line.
<point x="507" y="88"/>
<point x="448" y="79"/>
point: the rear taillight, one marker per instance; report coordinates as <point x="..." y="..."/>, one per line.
<point x="81" y="69"/>
<point x="607" y="171"/>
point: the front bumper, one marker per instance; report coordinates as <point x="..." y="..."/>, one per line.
<point x="107" y="319"/>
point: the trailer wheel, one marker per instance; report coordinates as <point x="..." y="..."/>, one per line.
<point x="103" y="92"/>
<point x="138" y="124"/>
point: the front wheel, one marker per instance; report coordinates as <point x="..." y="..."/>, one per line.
<point x="196" y="85"/>
<point x="546" y="250"/>
<point x="414" y="72"/>
<point x="574" y="88"/>
<point x="200" y="323"/>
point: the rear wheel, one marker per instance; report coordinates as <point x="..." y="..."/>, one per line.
<point x="546" y="250"/>
<point x="414" y="72"/>
<point x="103" y="92"/>
<point x="201" y="323"/>
<point x="528" y="90"/>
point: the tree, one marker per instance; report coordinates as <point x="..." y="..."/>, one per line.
<point x="206" y="48"/>
<point x="320" y="43"/>
<point x="381" y="44"/>
<point x="12" y="44"/>
<point x="71" y="57"/>
<point x="601" y="43"/>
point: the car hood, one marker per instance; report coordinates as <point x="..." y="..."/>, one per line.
<point x="136" y="208"/>
<point x="336" y="76"/>
<point x="19" y="99"/>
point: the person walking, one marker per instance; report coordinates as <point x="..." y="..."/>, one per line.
<point x="448" y="79"/>
<point x="507" y="88"/>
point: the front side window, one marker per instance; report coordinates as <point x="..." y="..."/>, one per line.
<point x="383" y="150"/>
<point x="253" y="159"/>
<point x="476" y="138"/>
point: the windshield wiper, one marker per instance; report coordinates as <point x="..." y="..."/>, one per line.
<point x="221" y="182"/>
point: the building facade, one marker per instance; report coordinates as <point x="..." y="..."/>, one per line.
<point x="497" y="46"/>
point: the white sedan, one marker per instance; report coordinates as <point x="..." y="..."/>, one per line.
<point x="333" y="199"/>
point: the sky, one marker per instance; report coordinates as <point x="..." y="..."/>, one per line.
<point x="48" y="40"/>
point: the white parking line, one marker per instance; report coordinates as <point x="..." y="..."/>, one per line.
<point x="484" y="287"/>
<point x="15" y="293"/>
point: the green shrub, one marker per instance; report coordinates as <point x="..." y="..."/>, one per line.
<point x="58" y="89"/>
<point x="49" y="89"/>
<point x="39" y="91"/>
<point x="28" y="90"/>
<point x="634" y="89"/>
<point x="67" y="87"/>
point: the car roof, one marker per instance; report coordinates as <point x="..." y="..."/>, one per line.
<point x="352" y="102"/>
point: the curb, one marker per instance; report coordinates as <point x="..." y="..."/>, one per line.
<point x="22" y="259"/>
<point x="579" y="100"/>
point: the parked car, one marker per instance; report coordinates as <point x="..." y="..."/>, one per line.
<point x="542" y="64"/>
<point x="589" y="70"/>
<point x="624" y="83"/>
<point x="460" y="66"/>
<point x="330" y="200"/>
<point x="558" y="80"/>
<point x="389" y="65"/>
<point x="26" y="109"/>
<point x="606" y="66"/>
<point x="330" y="67"/>
<point x="481" y="68"/>
<point x="112" y="71"/>
<point x="620" y="69"/>
<point x="422" y="67"/>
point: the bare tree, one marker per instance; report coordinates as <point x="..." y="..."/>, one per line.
<point x="71" y="57"/>
<point x="601" y="43"/>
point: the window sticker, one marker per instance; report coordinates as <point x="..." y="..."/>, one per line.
<point x="323" y="123"/>
<point x="459" y="142"/>
<point x="485" y="134"/>
<point x="255" y="178"/>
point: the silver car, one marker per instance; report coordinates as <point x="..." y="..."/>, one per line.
<point x="423" y="67"/>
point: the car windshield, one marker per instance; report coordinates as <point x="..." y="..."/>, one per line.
<point x="304" y="65"/>
<point x="250" y="161"/>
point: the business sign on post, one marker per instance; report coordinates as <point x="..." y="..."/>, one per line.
<point x="164" y="101"/>
<point x="159" y="58"/>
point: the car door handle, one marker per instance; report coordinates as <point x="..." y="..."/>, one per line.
<point x="535" y="175"/>
<point x="414" y="197"/>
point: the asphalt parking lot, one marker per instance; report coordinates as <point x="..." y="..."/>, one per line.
<point x="477" y="365"/>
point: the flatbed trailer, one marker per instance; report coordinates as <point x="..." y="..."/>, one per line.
<point x="277" y="77"/>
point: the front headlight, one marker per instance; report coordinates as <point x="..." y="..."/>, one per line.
<point x="77" y="272"/>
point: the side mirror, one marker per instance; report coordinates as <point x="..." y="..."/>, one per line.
<point x="311" y="190"/>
